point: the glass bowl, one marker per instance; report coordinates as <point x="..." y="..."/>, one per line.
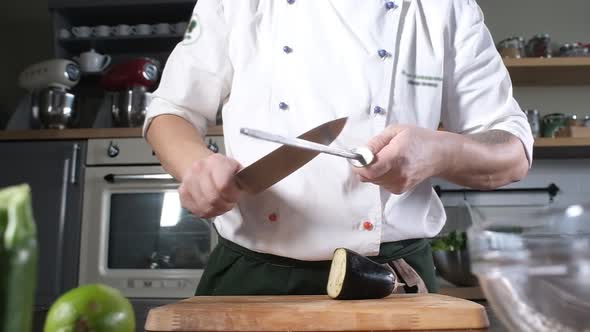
<point x="535" y="271"/>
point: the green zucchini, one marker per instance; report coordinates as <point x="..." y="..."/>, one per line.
<point x="355" y="277"/>
<point x="18" y="259"/>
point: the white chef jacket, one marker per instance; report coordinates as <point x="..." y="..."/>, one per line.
<point x="286" y="66"/>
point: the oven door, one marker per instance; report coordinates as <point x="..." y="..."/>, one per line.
<point x="137" y="238"/>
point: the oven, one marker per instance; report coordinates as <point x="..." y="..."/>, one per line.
<point x="135" y="236"/>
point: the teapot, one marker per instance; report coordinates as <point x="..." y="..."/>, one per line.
<point x="93" y="62"/>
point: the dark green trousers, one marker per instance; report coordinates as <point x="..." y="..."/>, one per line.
<point x="235" y="270"/>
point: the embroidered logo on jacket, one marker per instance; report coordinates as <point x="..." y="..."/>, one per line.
<point x="422" y="80"/>
<point x="192" y="31"/>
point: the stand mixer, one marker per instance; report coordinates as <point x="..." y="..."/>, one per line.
<point x="129" y="85"/>
<point x="49" y="83"/>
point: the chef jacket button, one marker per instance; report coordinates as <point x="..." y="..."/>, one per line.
<point x="390" y="5"/>
<point x="287" y="49"/>
<point x="383" y="54"/>
<point x="283" y="106"/>
<point x="273" y="217"/>
<point x="290" y="2"/>
<point x="379" y="110"/>
<point x="367" y="225"/>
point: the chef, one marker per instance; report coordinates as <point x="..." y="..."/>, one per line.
<point x="397" y="70"/>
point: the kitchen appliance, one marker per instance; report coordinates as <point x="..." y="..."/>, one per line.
<point x="128" y="85"/>
<point x="135" y="236"/>
<point x="535" y="270"/>
<point x="402" y="312"/>
<point x="283" y="161"/>
<point x="49" y="84"/>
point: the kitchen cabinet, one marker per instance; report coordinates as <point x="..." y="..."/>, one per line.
<point x="108" y="17"/>
<point x="53" y="4"/>
<point x="53" y="170"/>
<point x="67" y="14"/>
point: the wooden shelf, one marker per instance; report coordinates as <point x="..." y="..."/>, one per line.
<point x="60" y="4"/>
<point x="562" y="142"/>
<point x="122" y="44"/>
<point x="562" y="147"/>
<point x="83" y="133"/>
<point x="150" y="36"/>
<point x="549" y="71"/>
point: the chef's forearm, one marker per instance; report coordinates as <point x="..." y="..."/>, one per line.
<point x="176" y="143"/>
<point x="484" y="161"/>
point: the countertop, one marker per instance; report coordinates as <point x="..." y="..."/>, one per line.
<point x="82" y="133"/>
<point x="545" y="148"/>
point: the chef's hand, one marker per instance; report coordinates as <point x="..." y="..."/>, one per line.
<point x="208" y="188"/>
<point x="404" y="157"/>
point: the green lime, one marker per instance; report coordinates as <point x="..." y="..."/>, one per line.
<point x="91" y="308"/>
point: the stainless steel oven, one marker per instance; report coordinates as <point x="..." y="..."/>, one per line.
<point x="135" y="235"/>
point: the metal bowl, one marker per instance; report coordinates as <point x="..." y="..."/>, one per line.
<point x="129" y="107"/>
<point x="454" y="266"/>
<point x="535" y="271"/>
<point x="54" y="108"/>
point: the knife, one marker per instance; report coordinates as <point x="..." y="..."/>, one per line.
<point x="359" y="157"/>
<point x="278" y="164"/>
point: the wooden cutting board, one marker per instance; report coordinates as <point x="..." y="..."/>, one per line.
<point x="317" y="313"/>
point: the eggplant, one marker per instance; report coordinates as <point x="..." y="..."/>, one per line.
<point x="355" y="277"/>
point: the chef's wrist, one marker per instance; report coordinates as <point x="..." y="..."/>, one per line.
<point x="187" y="161"/>
<point x="448" y="150"/>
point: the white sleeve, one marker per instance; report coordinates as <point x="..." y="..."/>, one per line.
<point x="197" y="77"/>
<point x="478" y="91"/>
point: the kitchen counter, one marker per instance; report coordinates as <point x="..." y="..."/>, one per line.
<point x="545" y="148"/>
<point x="82" y="133"/>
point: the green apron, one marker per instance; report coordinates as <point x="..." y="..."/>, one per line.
<point x="235" y="270"/>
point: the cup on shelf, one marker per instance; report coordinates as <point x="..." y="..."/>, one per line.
<point x="64" y="33"/>
<point x="102" y="31"/>
<point x="162" y="29"/>
<point x="82" y="31"/>
<point x="123" y="30"/>
<point x="180" y="28"/>
<point x="143" y="29"/>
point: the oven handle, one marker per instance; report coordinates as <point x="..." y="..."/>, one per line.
<point x="552" y="189"/>
<point x="161" y="177"/>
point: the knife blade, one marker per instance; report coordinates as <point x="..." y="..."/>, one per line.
<point x="285" y="160"/>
